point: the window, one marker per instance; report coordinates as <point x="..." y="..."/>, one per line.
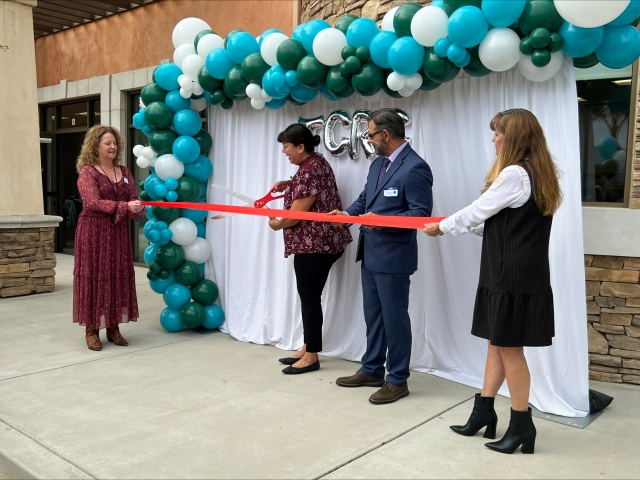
<point x="74" y="115"/>
<point x="606" y="101"/>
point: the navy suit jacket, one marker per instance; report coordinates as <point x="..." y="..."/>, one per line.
<point x="394" y="250"/>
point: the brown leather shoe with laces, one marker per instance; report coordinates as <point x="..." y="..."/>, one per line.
<point x="360" y="380"/>
<point x="92" y="337"/>
<point x="389" y="393"/>
<point x="114" y="335"/>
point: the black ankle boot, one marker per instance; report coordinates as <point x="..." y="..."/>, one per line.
<point x="482" y="415"/>
<point x="521" y="431"/>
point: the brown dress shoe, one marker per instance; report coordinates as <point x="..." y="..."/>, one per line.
<point x="92" y="337"/>
<point x="114" y="335"/>
<point x="360" y="380"/>
<point x="389" y="393"/>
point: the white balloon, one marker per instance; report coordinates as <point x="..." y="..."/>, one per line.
<point x="269" y="47"/>
<point x="186" y="31"/>
<point x="197" y="251"/>
<point x="196" y="89"/>
<point x="137" y="150"/>
<point x="590" y="13"/>
<point x="142" y="162"/>
<point x="257" y="103"/>
<point x="387" y="20"/>
<point x="185" y="82"/>
<point x="500" y="49"/>
<point x="328" y="45"/>
<point x="168" y="166"/>
<point x="182" y="52"/>
<point x="141" y="103"/>
<point x="406" y="91"/>
<point x="208" y="43"/>
<point x="184" y="231"/>
<point x="414" y="81"/>
<point x="621" y="158"/>
<point x="540" y="74"/>
<point x="264" y="95"/>
<point x="148" y="152"/>
<point x="429" y="25"/>
<point x="373" y="98"/>
<point x="152" y="162"/>
<point x="185" y="93"/>
<point x="395" y="81"/>
<point x="191" y="66"/>
<point x="253" y="90"/>
<point x="198" y="104"/>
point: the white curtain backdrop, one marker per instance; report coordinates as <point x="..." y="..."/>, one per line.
<point x="450" y="130"/>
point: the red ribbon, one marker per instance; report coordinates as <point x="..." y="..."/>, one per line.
<point x="415" y="223"/>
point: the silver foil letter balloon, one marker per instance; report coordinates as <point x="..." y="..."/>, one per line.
<point x="313" y="124"/>
<point x="359" y="134"/>
<point x="329" y="141"/>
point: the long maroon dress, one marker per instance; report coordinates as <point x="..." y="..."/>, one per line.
<point x="104" y="287"/>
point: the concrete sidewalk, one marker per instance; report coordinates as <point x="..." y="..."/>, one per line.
<point x="189" y="405"/>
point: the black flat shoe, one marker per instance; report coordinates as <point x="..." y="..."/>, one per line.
<point x="290" y="370"/>
<point x="288" y="360"/>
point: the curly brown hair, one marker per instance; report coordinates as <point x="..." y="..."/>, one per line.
<point x="89" y="153"/>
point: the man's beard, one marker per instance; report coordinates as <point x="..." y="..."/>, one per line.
<point x="382" y="148"/>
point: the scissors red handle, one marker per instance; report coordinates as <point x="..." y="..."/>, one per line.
<point x="267" y="198"/>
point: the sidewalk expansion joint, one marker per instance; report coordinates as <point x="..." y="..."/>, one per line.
<point x="386" y="442"/>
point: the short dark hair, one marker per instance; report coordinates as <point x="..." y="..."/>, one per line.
<point x="389" y="120"/>
<point x="298" y="134"/>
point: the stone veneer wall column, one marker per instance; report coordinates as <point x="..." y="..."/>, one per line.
<point x="332" y="10"/>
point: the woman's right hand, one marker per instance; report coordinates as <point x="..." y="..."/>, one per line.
<point x="280" y="186"/>
<point x="134" y="206"/>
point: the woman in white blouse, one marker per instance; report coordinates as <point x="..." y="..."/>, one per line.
<point x="514" y="301"/>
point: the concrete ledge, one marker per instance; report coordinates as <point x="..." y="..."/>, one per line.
<point x="611" y="231"/>
<point x="33" y="221"/>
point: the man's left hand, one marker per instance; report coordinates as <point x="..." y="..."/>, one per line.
<point x="274" y="223"/>
<point x="371" y="214"/>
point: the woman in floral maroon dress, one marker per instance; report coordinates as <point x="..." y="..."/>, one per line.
<point x="104" y="289"/>
<point x="316" y="246"/>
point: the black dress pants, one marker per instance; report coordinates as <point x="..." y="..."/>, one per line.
<point x="312" y="270"/>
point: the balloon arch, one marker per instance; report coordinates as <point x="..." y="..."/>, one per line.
<point x="417" y="48"/>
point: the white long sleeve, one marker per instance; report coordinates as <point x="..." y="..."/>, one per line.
<point x="511" y="189"/>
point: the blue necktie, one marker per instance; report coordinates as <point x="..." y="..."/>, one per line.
<point x="383" y="170"/>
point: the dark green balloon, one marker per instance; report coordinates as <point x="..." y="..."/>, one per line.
<point x="165" y="214"/>
<point x="540" y="38"/>
<point x="205" y="292"/>
<point x="158" y="115"/>
<point x="352" y="64"/>
<point x="635" y="23"/>
<point x="438" y="69"/>
<point x="540" y="14"/>
<point x="234" y="83"/>
<point x="189" y="190"/>
<point x="152" y="93"/>
<point x="153" y="75"/>
<point x="363" y="54"/>
<point x="198" y="37"/>
<point x="402" y="18"/>
<point x="170" y="255"/>
<point x="195" y="97"/>
<point x="253" y="68"/>
<point x="229" y="35"/>
<point x="289" y="54"/>
<point x="451" y="6"/>
<point x="525" y="46"/>
<point x="164" y="274"/>
<point x="347" y="52"/>
<point x="207" y="82"/>
<point x="144" y="196"/>
<point x="586" y="62"/>
<point x="162" y="140"/>
<point x="227" y="104"/>
<point x="427" y="83"/>
<point x="151" y="275"/>
<point x="295" y="102"/>
<point x="476" y="68"/>
<point x="343" y="22"/>
<point x="337" y="84"/>
<point x="541" y="57"/>
<point x="218" y="96"/>
<point x="556" y="43"/>
<point x="155" y="267"/>
<point x="344" y="71"/>
<point x="204" y="140"/>
<point x="188" y="273"/>
<point x="192" y="315"/>
<point x="231" y="95"/>
<point x="311" y="73"/>
<point x="368" y="80"/>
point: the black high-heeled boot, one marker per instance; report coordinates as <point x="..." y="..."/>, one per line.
<point x="482" y="415"/>
<point x="521" y="431"/>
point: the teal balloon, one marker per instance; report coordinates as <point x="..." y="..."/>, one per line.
<point x="192" y="315"/>
<point x="631" y="13"/>
<point x="205" y="292"/>
<point x="213" y="317"/>
<point x="380" y="46"/>
<point x="241" y="45"/>
<point x="187" y="122"/>
<point x="176" y="101"/>
<point x="194" y="215"/>
<point x="580" y="42"/>
<point x="160" y="285"/>
<point x="166" y="76"/>
<point x="201" y="169"/>
<point x="361" y="32"/>
<point x="176" y="296"/>
<point x="620" y="47"/>
<point x="170" y="320"/>
<point x="406" y="56"/>
<point x="607" y="147"/>
<point x="202" y="229"/>
<point x="188" y="273"/>
<point x="467" y="27"/>
<point x="150" y="253"/>
<point x="343" y="22"/>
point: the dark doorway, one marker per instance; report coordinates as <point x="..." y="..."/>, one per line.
<point x="69" y="201"/>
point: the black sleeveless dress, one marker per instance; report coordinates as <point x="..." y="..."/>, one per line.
<point x="514" y="301"/>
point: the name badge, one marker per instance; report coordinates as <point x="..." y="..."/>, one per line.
<point x="391" y="192"/>
<point x="126" y="180"/>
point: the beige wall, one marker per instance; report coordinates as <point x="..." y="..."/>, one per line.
<point x="20" y="177"/>
<point x="142" y="37"/>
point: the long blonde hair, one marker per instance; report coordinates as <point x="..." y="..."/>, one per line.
<point x="89" y="153"/>
<point x="525" y="143"/>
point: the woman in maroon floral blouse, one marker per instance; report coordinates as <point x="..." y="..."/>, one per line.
<point x="104" y="289"/>
<point x="315" y="246"/>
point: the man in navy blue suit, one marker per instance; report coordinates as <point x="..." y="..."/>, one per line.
<point x="399" y="183"/>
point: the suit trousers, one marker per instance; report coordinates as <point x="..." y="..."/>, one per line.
<point x="386" y="313"/>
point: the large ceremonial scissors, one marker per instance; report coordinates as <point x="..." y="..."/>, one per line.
<point x="250" y="202"/>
